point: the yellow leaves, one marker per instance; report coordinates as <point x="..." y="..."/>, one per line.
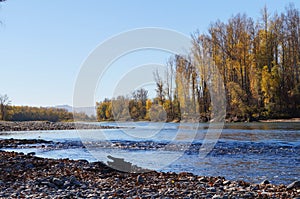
<point x="108" y="112"/>
<point x="104" y="110"/>
<point x="148" y="104"/>
<point x="237" y="98"/>
<point x="270" y="83"/>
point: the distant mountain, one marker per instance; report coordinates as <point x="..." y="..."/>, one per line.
<point x="66" y="107"/>
<point x="87" y="110"/>
<point x="90" y="111"/>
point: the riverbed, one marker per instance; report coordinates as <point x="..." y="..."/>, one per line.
<point x="239" y="151"/>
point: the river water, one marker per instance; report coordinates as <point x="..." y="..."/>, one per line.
<point x="238" y="151"/>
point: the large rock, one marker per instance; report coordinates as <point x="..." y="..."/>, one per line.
<point x="265" y="182"/>
<point x="293" y="185"/>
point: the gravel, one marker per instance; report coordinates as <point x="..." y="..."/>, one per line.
<point x="44" y="125"/>
<point x="27" y="176"/>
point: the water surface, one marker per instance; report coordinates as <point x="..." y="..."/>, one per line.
<point x="246" y="151"/>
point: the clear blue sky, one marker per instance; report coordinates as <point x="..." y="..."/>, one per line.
<point x="43" y="43"/>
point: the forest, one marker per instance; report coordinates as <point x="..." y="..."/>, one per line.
<point x="10" y="112"/>
<point x="52" y="114"/>
<point x="26" y="113"/>
<point x="258" y="65"/>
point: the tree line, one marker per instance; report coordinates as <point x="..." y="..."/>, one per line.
<point x="258" y="63"/>
<point x="27" y="113"/>
<point x="10" y="112"/>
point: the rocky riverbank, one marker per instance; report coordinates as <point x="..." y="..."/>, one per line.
<point x="44" y="125"/>
<point x="281" y="120"/>
<point x="27" y="176"/>
<point x="14" y="143"/>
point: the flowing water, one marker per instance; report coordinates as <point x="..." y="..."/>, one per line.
<point x="238" y="151"/>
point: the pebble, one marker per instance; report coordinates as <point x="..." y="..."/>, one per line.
<point x="44" y="125"/>
<point x="81" y="179"/>
<point x="139" y="179"/>
<point x="216" y="197"/>
<point x="212" y="189"/>
<point x="226" y="182"/>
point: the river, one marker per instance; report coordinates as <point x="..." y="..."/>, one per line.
<point x="239" y="151"/>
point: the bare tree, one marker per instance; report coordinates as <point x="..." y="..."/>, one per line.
<point x="169" y="75"/>
<point x="4" y="103"/>
<point x="0" y="2"/>
<point x="159" y="85"/>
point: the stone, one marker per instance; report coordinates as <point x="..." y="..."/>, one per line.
<point x="293" y="185"/>
<point x="45" y="180"/>
<point x="211" y="189"/>
<point x="51" y="185"/>
<point x="31" y="154"/>
<point x="203" y="179"/>
<point x="264" y="193"/>
<point x="242" y="190"/>
<point x="29" y="166"/>
<point x="216" y="196"/>
<point x="58" y="182"/>
<point x="226" y="182"/>
<point x="139" y="179"/>
<point x="265" y="182"/>
<point x="74" y="181"/>
<point x="218" y="182"/>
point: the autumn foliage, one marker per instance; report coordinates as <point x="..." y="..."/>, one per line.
<point x="258" y="62"/>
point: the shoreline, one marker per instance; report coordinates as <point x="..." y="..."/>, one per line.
<point x="45" y="125"/>
<point x="27" y="175"/>
<point x="291" y="120"/>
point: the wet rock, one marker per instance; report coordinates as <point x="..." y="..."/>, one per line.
<point x="31" y="153"/>
<point x="265" y="182"/>
<point x="293" y="185"/>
